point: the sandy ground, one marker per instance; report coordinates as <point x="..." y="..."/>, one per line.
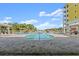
<point x="22" y="46"/>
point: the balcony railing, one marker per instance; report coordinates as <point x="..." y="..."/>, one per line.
<point x="74" y="22"/>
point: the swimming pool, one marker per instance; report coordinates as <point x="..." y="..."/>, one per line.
<point x="39" y="36"/>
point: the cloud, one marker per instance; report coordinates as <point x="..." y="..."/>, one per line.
<point x="32" y="21"/>
<point x="47" y="25"/>
<point x="56" y="19"/>
<point x="57" y="12"/>
<point x="43" y="13"/>
<point x="8" y="18"/>
<point x="5" y="21"/>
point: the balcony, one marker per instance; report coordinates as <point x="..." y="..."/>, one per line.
<point x="75" y="22"/>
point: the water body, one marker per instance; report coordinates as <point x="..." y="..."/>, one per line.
<point x="39" y="36"/>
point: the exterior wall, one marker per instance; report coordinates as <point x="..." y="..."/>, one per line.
<point x="72" y="11"/>
<point x="5" y="29"/>
<point x="71" y="15"/>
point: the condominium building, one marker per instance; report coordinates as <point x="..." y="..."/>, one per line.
<point x="71" y="17"/>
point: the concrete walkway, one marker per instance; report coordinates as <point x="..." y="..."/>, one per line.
<point x="59" y="35"/>
<point x="23" y="35"/>
<point x="12" y="35"/>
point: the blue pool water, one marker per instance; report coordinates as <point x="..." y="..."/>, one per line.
<point x="38" y="36"/>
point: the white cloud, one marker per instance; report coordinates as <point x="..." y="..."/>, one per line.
<point x="57" y="12"/>
<point x="56" y="19"/>
<point x="5" y="21"/>
<point x="43" y="13"/>
<point x="8" y="18"/>
<point x="47" y="25"/>
<point x="32" y="21"/>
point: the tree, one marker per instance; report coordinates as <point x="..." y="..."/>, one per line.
<point x="24" y="27"/>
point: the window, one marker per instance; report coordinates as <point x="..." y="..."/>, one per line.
<point x="67" y="10"/>
<point x="75" y="4"/>
<point x="64" y="15"/>
<point x="64" y="20"/>
<point x="64" y="7"/>
<point x="75" y="17"/>
<point x="67" y="15"/>
<point x="67" y="6"/>
<point x="64" y="11"/>
<point x="75" y="11"/>
<point x="67" y="20"/>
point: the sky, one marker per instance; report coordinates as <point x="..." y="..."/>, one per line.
<point x="41" y="15"/>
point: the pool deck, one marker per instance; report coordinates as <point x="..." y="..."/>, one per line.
<point x="22" y="46"/>
<point x="23" y="35"/>
<point x="17" y="44"/>
<point x="12" y="35"/>
<point x="59" y="35"/>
